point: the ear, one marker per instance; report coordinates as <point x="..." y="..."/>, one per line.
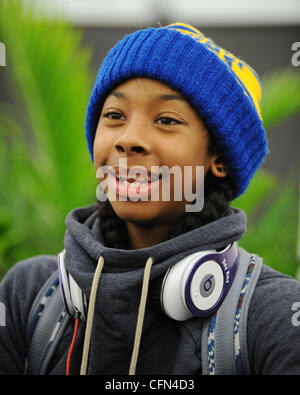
<point x="218" y="168"/>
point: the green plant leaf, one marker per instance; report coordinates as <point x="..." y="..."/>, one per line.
<point x="274" y="235"/>
<point x="48" y="168"/>
<point x="262" y="187"/>
<point x="280" y="96"/>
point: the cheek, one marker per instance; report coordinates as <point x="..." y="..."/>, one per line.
<point x="191" y="149"/>
<point x="101" y="149"/>
<point x="194" y="164"/>
<point x="190" y="157"/>
<point x="199" y="148"/>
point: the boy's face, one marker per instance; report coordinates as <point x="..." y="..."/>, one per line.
<point x="146" y="123"/>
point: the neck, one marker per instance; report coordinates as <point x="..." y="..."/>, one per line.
<point x="142" y="236"/>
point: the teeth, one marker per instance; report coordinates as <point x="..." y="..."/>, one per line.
<point x="123" y="181"/>
<point x="135" y="184"/>
<point x="138" y="181"/>
<point x="141" y="180"/>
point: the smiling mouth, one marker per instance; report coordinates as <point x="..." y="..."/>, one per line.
<point x="137" y="182"/>
<point x="134" y="183"/>
<point x="134" y="177"/>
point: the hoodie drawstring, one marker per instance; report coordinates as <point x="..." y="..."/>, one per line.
<point x="90" y="316"/>
<point x="140" y="318"/>
<point x="141" y="314"/>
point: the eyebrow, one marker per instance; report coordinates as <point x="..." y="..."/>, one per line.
<point x="117" y="94"/>
<point x="166" y="97"/>
<point x="171" y="96"/>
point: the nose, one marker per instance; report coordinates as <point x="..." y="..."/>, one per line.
<point x="134" y="139"/>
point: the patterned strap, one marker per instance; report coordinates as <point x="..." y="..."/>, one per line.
<point x="39" y="304"/>
<point x="224" y="335"/>
<point x="46" y="323"/>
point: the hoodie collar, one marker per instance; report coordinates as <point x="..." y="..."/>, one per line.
<point x="83" y="239"/>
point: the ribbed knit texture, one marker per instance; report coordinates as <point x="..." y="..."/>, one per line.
<point x="223" y="90"/>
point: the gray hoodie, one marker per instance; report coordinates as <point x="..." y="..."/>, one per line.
<point x="167" y="346"/>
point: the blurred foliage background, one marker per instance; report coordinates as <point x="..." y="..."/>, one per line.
<point x="45" y="167"/>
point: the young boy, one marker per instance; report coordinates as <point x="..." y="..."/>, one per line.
<point x="132" y="276"/>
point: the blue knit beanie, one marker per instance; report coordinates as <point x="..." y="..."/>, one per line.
<point x="223" y="89"/>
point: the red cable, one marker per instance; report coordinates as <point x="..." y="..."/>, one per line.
<point x="72" y="346"/>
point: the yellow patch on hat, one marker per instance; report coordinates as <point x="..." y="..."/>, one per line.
<point x="245" y="76"/>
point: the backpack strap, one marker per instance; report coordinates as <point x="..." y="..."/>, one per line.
<point x="47" y="321"/>
<point x="224" y="335"/>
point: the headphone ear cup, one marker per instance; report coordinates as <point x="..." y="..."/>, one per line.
<point x="204" y="288"/>
<point x="195" y="286"/>
<point x="73" y="298"/>
<point x="198" y="284"/>
<point x="171" y="300"/>
<point x="173" y="290"/>
<point x="78" y="298"/>
<point x="64" y="284"/>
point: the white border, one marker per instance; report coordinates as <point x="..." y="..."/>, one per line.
<point x="198" y="12"/>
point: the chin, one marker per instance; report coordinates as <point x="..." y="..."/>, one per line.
<point x="137" y="212"/>
<point x="145" y="213"/>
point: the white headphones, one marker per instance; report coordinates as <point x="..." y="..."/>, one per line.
<point x="195" y="286"/>
<point x="198" y="284"/>
<point x="73" y="297"/>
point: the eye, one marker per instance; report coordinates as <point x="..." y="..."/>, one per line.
<point x="168" y="121"/>
<point x="113" y="115"/>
